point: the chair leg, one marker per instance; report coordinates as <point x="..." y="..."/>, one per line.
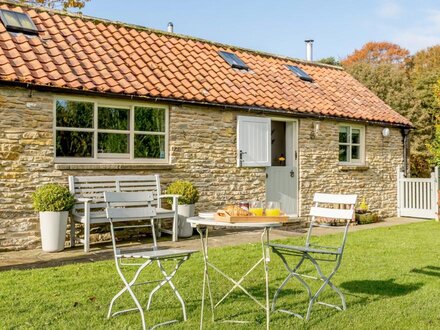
<point x="167" y="279"/>
<point x="292" y="273"/>
<point x="127" y="287"/>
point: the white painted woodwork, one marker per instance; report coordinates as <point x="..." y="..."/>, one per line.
<point x="325" y="212"/>
<point x="334" y="198"/>
<point x="253" y="141"/>
<point x="282" y="181"/>
<point x="281" y="187"/>
<point x="417" y="197"/>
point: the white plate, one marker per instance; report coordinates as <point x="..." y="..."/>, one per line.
<point x="206" y="215"/>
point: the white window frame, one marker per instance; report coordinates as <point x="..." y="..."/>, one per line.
<point x="361" y="160"/>
<point x="98" y="158"/>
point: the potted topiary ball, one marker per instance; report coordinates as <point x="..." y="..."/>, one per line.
<point x="53" y="202"/>
<point x="188" y="197"/>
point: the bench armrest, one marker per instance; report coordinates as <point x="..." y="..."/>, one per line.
<point x="83" y="200"/>
<point x="169" y="196"/>
<point x="175" y="200"/>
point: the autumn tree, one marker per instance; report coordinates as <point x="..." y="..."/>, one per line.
<point x="378" y="53"/>
<point x="58" y="4"/>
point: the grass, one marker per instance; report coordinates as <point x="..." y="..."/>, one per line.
<point x="390" y="276"/>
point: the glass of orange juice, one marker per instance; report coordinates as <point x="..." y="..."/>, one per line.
<point x="256" y="208"/>
<point x="273" y="209"/>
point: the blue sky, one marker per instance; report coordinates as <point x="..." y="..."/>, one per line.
<point x="280" y="26"/>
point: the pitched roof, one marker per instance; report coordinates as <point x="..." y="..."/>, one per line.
<point x="84" y="53"/>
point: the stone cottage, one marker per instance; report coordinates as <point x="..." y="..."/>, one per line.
<point x="81" y="95"/>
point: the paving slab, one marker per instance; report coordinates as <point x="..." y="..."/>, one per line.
<point x="28" y="259"/>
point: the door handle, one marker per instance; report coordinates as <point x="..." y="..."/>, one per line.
<point x="241" y="156"/>
<point x="292" y="174"/>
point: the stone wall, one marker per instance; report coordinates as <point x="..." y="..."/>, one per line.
<point x="320" y="170"/>
<point x="202" y="150"/>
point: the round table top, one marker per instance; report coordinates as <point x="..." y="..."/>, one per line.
<point x="195" y="221"/>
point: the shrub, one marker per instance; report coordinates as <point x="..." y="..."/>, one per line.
<point x="52" y="197"/>
<point x="188" y="193"/>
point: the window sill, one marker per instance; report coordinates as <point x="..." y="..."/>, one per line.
<point x="113" y="166"/>
<point x="353" y="167"/>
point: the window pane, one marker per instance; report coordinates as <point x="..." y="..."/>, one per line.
<point x="74" y="114"/>
<point x="11" y="18"/>
<point x="355" y="152"/>
<point x="149" y="119"/>
<point x="25" y="22"/>
<point x="149" y="146"/>
<point x="113" y="143"/>
<point x="343" y="134"/>
<point x="343" y="153"/>
<point x="74" y="144"/>
<point x="356" y="136"/>
<point x="113" y="118"/>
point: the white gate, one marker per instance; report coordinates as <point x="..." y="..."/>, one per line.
<point x="417" y="198"/>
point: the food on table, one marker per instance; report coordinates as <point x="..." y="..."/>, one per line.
<point x="235" y="210"/>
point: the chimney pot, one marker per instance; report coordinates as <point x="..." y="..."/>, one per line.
<point x="170" y="27"/>
<point x="309" y="49"/>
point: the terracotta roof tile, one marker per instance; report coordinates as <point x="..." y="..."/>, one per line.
<point x="85" y="53"/>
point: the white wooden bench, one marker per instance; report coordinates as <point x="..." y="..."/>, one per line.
<point x="89" y="205"/>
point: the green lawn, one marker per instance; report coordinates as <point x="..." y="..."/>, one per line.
<point x="390" y="276"/>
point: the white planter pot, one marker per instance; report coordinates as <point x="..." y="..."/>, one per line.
<point x="53" y="226"/>
<point x="185" y="211"/>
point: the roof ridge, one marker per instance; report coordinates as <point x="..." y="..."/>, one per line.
<point x="165" y="33"/>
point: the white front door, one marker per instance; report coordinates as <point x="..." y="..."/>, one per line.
<point x="282" y="175"/>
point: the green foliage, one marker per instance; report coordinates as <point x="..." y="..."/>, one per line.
<point x="434" y="148"/>
<point x="188" y="193"/>
<point x="58" y="4"/>
<point x="52" y="197"/>
<point x="330" y="60"/>
<point x="363" y="206"/>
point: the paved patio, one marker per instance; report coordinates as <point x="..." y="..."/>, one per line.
<point x="37" y="259"/>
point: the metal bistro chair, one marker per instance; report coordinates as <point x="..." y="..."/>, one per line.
<point x="132" y="206"/>
<point x="314" y="253"/>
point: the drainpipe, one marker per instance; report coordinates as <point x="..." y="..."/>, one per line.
<point x="405" y="133"/>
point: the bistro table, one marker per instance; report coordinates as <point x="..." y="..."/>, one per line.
<point x="200" y="223"/>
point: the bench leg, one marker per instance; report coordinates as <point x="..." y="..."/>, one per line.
<point x="175" y="227"/>
<point x="86" y="237"/>
<point x="72" y="232"/>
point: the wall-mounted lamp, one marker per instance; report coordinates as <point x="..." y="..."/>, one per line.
<point x="386" y="132"/>
<point x="315" y="131"/>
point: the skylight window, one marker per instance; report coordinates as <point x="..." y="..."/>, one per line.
<point x="233" y="60"/>
<point x="300" y="73"/>
<point x="17" y="22"/>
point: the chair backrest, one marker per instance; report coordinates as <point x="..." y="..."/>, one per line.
<point x="334" y="207"/>
<point x="129" y="206"/>
<point x="93" y="187"/>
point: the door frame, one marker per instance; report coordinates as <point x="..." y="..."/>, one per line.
<point x="295" y="156"/>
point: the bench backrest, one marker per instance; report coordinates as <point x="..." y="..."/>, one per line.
<point x="93" y="187"/>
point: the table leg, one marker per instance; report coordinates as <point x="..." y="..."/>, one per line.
<point x="206" y="281"/>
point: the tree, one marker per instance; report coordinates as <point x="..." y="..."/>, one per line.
<point x="330" y="60"/>
<point x="378" y="53"/>
<point x="58" y="4"/>
<point x="425" y="73"/>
